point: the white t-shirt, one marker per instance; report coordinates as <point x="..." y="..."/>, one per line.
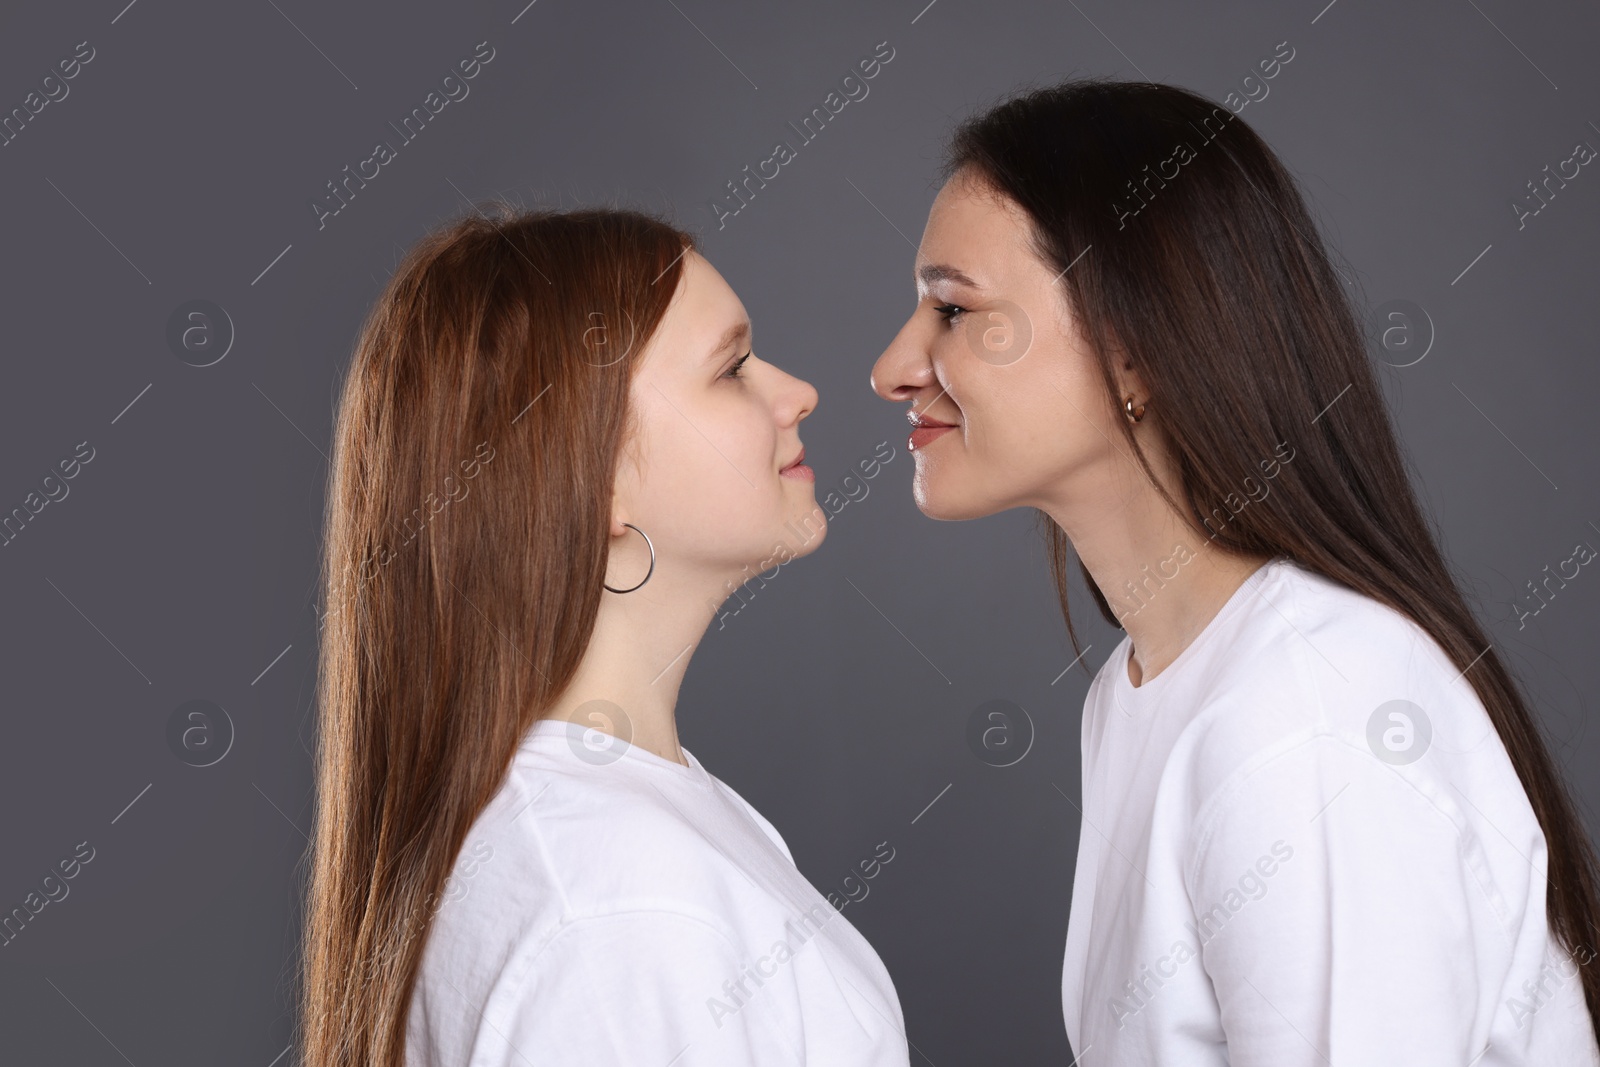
<point x="1258" y="884"/>
<point x="613" y="907"/>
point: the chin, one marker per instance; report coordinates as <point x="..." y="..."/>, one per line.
<point x="805" y="531"/>
<point x="946" y="506"/>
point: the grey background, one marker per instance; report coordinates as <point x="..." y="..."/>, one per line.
<point x="181" y="565"/>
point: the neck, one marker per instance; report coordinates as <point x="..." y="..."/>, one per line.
<point x="636" y="660"/>
<point x="1163" y="578"/>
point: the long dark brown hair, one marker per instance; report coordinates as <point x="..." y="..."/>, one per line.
<point x="1201" y="269"/>
<point x="467" y="525"/>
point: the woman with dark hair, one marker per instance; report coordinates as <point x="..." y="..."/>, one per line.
<point x="555" y="454"/>
<point x="1319" y="821"/>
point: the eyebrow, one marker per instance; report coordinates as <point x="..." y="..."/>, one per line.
<point x="732" y="335"/>
<point x="940" y="272"/>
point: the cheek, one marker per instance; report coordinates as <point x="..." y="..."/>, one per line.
<point x="739" y="436"/>
<point x="697" y="462"/>
<point x="1032" y="417"/>
<point x="1004" y="408"/>
<point x="715" y="468"/>
<point x="1022" y="444"/>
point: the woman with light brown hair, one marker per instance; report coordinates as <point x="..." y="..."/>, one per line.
<point x="556" y="453"/>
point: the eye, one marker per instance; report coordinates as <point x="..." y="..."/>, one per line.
<point x="950" y="312"/>
<point x="733" y="372"/>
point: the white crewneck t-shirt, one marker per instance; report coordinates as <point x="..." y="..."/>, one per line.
<point x="613" y="907"/>
<point x="1304" y="845"/>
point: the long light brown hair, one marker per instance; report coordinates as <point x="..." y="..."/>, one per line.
<point x="467" y="525"/>
<point x="1214" y="284"/>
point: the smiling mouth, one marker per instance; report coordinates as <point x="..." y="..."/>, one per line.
<point x="925" y="430"/>
<point x="924" y="434"/>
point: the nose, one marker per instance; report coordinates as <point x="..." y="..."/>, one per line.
<point x="904" y="368"/>
<point x="798" y="399"/>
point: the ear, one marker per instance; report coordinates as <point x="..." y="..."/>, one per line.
<point x="1130" y="381"/>
<point x="618" y="517"/>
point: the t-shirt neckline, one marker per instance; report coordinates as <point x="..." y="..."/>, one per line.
<point x="1128" y="692"/>
<point x="573" y="742"/>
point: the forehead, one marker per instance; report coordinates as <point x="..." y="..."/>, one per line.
<point x="976" y="230"/>
<point x="703" y="309"/>
<point x="702" y="287"/>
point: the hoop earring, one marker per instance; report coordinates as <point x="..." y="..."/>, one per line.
<point x="1134" y="414"/>
<point x="647" y="573"/>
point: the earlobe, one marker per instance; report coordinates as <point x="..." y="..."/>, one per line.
<point x="619" y="518"/>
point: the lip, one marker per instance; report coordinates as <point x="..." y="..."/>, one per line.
<point x="925" y="430"/>
<point x="922" y="421"/>
<point x="923" y="435"/>
<point x="797" y="468"/>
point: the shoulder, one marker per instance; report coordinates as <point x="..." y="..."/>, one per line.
<point x="1321" y="662"/>
<point x="1344" y="716"/>
<point x="757" y="818"/>
<point x="598" y="875"/>
<point x="561" y="842"/>
<point x="642" y="944"/>
<point x="610" y="987"/>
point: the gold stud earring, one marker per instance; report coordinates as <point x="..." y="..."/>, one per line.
<point x="1134" y="413"/>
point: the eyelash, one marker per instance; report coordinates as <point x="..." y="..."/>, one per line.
<point x="949" y="312"/>
<point x="734" y="371"/>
